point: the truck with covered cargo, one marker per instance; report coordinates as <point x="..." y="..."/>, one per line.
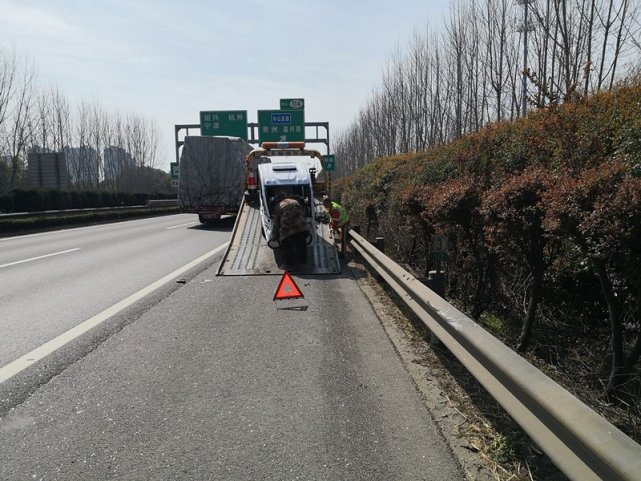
<point x="212" y="172"/>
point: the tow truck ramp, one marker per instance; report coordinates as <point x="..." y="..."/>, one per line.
<point x="249" y="255"/>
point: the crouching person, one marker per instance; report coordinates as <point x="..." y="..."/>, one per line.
<point x="291" y="230"/>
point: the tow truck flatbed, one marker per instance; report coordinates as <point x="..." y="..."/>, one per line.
<point x="248" y="253"/>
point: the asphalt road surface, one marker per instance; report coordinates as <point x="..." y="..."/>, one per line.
<point x="55" y="280"/>
<point x="214" y="380"/>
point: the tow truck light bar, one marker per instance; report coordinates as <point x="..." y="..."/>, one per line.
<point x="272" y="149"/>
<point x="283" y="145"/>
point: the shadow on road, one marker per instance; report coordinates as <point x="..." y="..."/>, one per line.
<point x="225" y="224"/>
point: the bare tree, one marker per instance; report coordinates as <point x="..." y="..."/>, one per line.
<point x="589" y="41"/>
<point x="83" y="157"/>
<point x="116" y="158"/>
<point x="8" y="73"/>
<point x="20" y="126"/>
<point x="417" y="82"/>
<point x="452" y="83"/>
<point x="40" y="141"/>
<point x="620" y="38"/>
<point x="456" y="48"/>
<point x="96" y="140"/>
<point x="142" y="140"/>
<point x="495" y="18"/>
<point x="61" y="120"/>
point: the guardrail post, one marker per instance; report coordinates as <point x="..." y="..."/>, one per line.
<point x="356" y="228"/>
<point x="436" y="282"/>
<point x="379" y="243"/>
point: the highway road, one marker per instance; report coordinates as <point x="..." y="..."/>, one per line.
<point x="55" y="280"/>
<point x="210" y="379"/>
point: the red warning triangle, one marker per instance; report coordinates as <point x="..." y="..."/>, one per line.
<point x="287" y="288"/>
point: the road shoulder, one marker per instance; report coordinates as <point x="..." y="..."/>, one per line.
<point x="420" y="361"/>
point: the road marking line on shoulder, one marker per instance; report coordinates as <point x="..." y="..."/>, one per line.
<point x="39" y="257"/>
<point x="181" y="225"/>
<point x="20" y="364"/>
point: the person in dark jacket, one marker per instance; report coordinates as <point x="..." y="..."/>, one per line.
<point x="290" y="229"/>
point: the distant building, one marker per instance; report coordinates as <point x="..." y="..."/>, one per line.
<point x="5" y="172"/>
<point x="82" y="163"/>
<point x="115" y="161"/>
<point x="36" y="149"/>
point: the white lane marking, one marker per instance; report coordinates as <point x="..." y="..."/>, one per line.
<point x="39" y="257"/>
<point x="20" y="364"/>
<point x="181" y="225"/>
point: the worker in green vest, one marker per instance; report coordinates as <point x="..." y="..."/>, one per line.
<point x="339" y="220"/>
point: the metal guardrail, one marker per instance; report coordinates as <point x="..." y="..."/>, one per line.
<point x="580" y="442"/>
<point x="42" y="213"/>
<point x="162" y="202"/>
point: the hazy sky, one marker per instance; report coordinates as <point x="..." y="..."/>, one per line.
<point x="170" y="59"/>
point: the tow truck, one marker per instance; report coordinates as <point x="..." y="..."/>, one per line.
<point x="280" y="166"/>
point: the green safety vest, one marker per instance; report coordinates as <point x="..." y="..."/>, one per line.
<point x="343" y="218"/>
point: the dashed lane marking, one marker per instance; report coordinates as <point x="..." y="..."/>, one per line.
<point x="22" y="363"/>
<point x="39" y="257"/>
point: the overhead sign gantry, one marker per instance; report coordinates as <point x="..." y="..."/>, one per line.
<point x="284" y="125"/>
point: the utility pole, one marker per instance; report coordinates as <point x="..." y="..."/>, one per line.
<point x="524" y="28"/>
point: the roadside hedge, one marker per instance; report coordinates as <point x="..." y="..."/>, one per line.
<point x="31" y="224"/>
<point x="35" y="200"/>
<point x="543" y="220"/>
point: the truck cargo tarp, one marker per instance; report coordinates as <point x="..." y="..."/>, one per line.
<point x="211" y="173"/>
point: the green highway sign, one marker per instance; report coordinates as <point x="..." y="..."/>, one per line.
<point x="175" y="170"/>
<point x="292" y="104"/>
<point x="439" y="244"/>
<point x="329" y="163"/>
<point x="281" y="126"/>
<point x="232" y="123"/>
<point x="439" y="248"/>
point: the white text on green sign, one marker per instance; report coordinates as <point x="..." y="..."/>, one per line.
<point x="232" y="123"/>
<point x="292" y="104"/>
<point x="281" y="126"/>
<point x="329" y="163"/>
